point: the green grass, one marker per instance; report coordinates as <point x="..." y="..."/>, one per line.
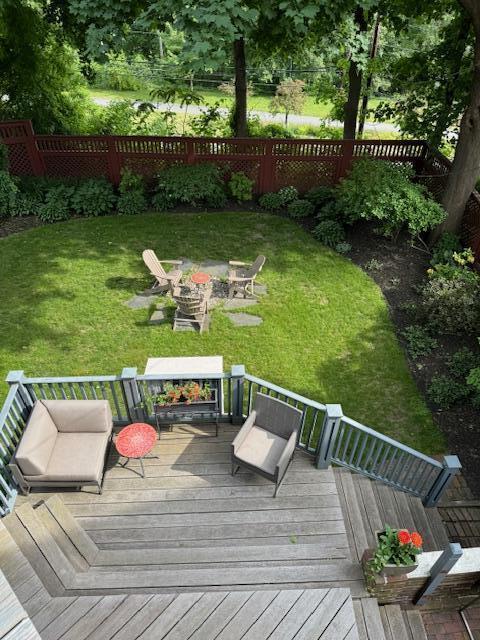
<point x="255" y="103"/>
<point x="326" y="332"/>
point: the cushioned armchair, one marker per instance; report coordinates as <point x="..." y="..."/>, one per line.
<point x="64" y="444"/>
<point x="266" y="442"/>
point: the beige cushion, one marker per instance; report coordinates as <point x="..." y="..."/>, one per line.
<point x="38" y="441"/>
<point x="261" y="449"/>
<point x="76" y="457"/>
<point x="73" y="416"/>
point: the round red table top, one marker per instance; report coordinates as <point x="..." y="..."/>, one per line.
<point x="135" y="440"/>
<point x="200" y="277"/>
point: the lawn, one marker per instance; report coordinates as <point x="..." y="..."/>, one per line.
<point x="255" y="103"/>
<point x="326" y="331"/>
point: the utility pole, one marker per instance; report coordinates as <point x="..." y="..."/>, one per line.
<point x="368" y="84"/>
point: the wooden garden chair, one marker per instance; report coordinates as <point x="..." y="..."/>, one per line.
<point x="164" y="281"/>
<point x="242" y="278"/>
<point x="191" y="309"/>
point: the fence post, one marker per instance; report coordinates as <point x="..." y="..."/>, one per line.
<point x="238" y="381"/>
<point x="346" y="159"/>
<point x="36" y="159"/>
<point x="439" y="571"/>
<point x="328" y="435"/>
<point x="131" y="394"/>
<point x="113" y="161"/>
<point x="451" y="466"/>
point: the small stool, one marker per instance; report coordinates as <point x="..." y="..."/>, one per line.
<point x="135" y="441"/>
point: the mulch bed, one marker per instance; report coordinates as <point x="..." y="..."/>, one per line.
<point x="400" y="268"/>
<point x="397" y="269"/>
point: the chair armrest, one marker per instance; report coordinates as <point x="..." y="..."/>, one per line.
<point x="242" y="434"/>
<point x="238" y="279"/>
<point x="172" y="275"/>
<point x="171" y="261"/>
<point x="287" y="454"/>
<point x="237" y="263"/>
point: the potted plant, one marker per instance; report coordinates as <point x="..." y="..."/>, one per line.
<point x="184" y="397"/>
<point x="396" y="552"/>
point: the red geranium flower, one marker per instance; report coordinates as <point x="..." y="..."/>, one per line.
<point x="404" y="537"/>
<point x="417" y="540"/>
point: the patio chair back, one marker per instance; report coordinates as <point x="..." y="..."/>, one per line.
<point x="257" y="266"/>
<point x="154" y="266"/>
<point x="276" y="416"/>
<point x="190" y="305"/>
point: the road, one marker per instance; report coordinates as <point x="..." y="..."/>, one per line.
<point x="265" y="116"/>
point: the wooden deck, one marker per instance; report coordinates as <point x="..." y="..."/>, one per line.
<point x="191" y="552"/>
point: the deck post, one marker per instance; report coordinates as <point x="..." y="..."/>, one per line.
<point x="439" y="571"/>
<point x="328" y="435"/>
<point x="17" y="377"/>
<point x="131" y="394"/>
<point x="451" y="466"/>
<point x="238" y="382"/>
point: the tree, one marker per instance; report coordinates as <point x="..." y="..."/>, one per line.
<point x="466" y="163"/>
<point x="289" y="97"/>
<point x="40" y="76"/>
<point x="355" y="71"/>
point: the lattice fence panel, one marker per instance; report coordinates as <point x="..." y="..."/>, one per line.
<point x="304" y="174"/>
<point x="19" y="160"/>
<point x="77" y="166"/>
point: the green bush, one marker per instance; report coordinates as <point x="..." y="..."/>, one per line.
<point x="93" y="197"/>
<point x="452" y="305"/>
<point x="300" y="209"/>
<point x="57" y="203"/>
<point x="320" y="196"/>
<point x="271" y="202"/>
<point x="473" y="381"/>
<point x="419" y="341"/>
<point x="343" y="247"/>
<point x="444" y="249"/>
<point x="195" y="185"/>
<point x="131" y="199"/>
<point x="329" y="211"/>
<point x="8" y="195"/>
<point x="445" y="391"/>
<point x="241" y="187"/>
<point x="462" y="362"/>
<point x="329" y="232"/>
<point x="380" y="191"/>
<point x="288" y="194"/>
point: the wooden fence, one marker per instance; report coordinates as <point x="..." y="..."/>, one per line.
<point x="270" y="163"/>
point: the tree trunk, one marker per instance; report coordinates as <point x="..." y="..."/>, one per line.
<point x="368" y="84"/>
<point x="466" y="163"/>
<point x="239" y="120"/>
<point x="354" y="85"/>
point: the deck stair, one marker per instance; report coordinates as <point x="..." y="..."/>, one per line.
<point x="388" y="622"/>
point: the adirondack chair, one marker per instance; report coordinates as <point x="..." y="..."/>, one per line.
<point x="164" y="281"/>
<point x="242" y="278"/>
<point x="191" y="309"/>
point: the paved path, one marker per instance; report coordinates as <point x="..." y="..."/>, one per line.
<point x="265" y="116"/>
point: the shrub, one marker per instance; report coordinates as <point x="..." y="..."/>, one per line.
<point x="343" y="247"/>
<point x="378" y="190"/>
<point x="288" y="194"/>
<point x="462" y="362"/>
<point x="57" y="204"/>
<point x="271" y="202"/>
<point x="328" y="212"/>
<point x="419" y="341"/>
<point x="443" y="250"/>
<point x="300" y="209"/>
<point x="446" y="391"/>
<point x="198" y="184"/>
<point x="320" y="196"/>
<point x="8" y="195"/>
<point x="329" y="232"/>
<point x="473" y="381"/>
<point x="93" y="197"/>
<point x="241" y="187"/>
<point x="132" y="198"/>
<point x="452" y="305"/>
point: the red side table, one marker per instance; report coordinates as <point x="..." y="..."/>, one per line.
<point x="200" y="277"/>
<point x="135" y="441"/>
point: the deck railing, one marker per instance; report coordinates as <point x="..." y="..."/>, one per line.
<point x="325" y="433"/>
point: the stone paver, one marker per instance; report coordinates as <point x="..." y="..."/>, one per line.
<point x="244" y="319"/>
<point x="239" y="303"/>
<point x="158" y="317"/>
<point x="141" y="301"/>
